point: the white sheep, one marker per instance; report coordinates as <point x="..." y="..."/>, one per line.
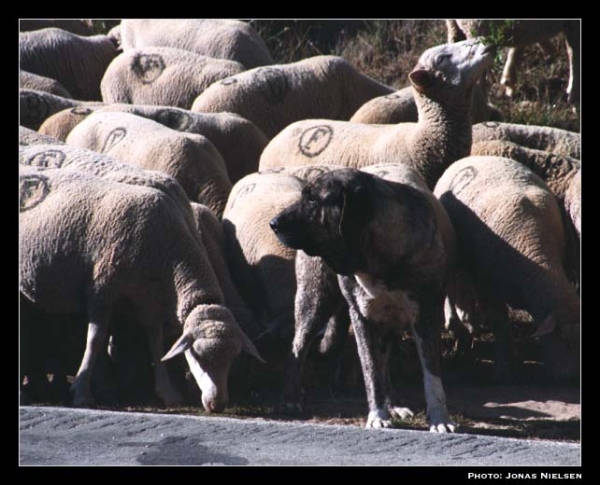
<point x="191" y="159"/>
<point x="218" y="38"/>
<point x="512" y="243"/>
<point x="162" y="76"/>
<point x="273" y="97"/>
<point x="400" y="107"/>
<point x="78" y="63"/>
<point x="549" y="139"/>
<point x="30" y="137"/>
<point x="442" y="81"/>
<point x="87" y="243"/>
<point x="573" y="201"/>
<point x="518" y="34"/>
<point x="36" y="106"/>
<point x="60" y="124"/>
<point x="28" y="80"/>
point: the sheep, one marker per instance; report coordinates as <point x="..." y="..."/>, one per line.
<point x="555" y="170"/>
<point x="88" y="243"/>
<point x="36" y="106"/>
<point x="191" y="159"/>
<point x="549" y="139"/>
<point x="238" y="140"/>
<point x="518" y="34"/>
<point x="30" y="137"/>
<point x="273" y="97"/>
<point x="442" y="81"/>
<point x="29" y="80"/>
<point x="218" y="38"/>
<point x="573" y="201"/>
<point x="78" y="63"/>
<point x="512" y="243"/>
<point x="162" y="76"/>
<point x="400" y="107"/>
<point x="79" y="27"/>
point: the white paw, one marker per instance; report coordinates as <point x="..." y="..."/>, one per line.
<point x="378" y="419"/>
<point x="442" y="428"/>
<point x="400" y="412"/>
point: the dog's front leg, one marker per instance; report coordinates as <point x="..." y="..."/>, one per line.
<point x="427" y="334"/>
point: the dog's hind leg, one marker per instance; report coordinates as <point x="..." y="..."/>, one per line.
<point x="427" y="334"/>
<point x="317" y="299"/>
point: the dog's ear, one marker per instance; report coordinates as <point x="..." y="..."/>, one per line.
<point x="357" y="210"/>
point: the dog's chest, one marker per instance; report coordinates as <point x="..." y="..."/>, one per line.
<point x="379" y="304"/>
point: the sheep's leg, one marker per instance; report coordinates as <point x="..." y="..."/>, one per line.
<point x="97" y="339"/>
<point x="427" y="333"/>
<point x="509" y="74"/>
<point x="311" y="316"/>
<point x="498" y="315"/>
<point x="573" y="38"/>
<point x="162" y="383"/>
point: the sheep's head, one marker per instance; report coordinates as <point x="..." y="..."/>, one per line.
<point x="457" y="65"/>
<point x="211" y="340"/>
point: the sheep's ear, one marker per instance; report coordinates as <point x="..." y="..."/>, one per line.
<point x="249" y="347"/>
<point x="183" y="343"/>
<point x="546" y="327"/>
<point x="421" y="79"/>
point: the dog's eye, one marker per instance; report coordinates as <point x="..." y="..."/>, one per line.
<point x="442" y="58"/>
<point x="311" y="202"/>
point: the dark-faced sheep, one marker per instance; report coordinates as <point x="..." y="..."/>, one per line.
<point x="78" y="63"/>
<point x="512" y="244"/>
<point x="442" y="83"/>
<point x="218" y="38"/>
<point x="88" y="243"/>
<point x="191" y="159"/>
<point x="75" y="26"/>
<point x="273" y="97"/>
<point x="517" y="34"/>
<point x="162" y="76"/>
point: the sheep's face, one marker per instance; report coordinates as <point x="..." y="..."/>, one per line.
<point x="211" y="341"/>
<point x="457" y="65"/>
<point x="329" y="219"/>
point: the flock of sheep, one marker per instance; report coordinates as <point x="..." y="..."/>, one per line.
<point x="154" y="158"/>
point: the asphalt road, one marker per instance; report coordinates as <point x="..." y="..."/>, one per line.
<point x="64" y="436"/>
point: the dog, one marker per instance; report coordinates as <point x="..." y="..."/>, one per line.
<point x="382" y="250"/>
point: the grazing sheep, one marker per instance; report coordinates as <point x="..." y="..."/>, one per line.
<point x="555" y="140"/>
<point x="36" y="106"/>
<point x="556" y="170"/>
<point x="79" y="27"/>
<point x="400" y="107"/>
<point x="213" y="239"/>
<point x="512" y="243"/>
<point x="573" y="201"/>
<point x="273" y="97"/>
<point x="78" y="63"/>
<point x="218" y="38"/>
<point x="87" y="244"/>
<point x="28" y="80"/>
<point x="31" y="137"/>
<point x="238" y="140"/>
<point x="162" y="76"/>
<point x="442" y="82"/>
<point x="520" y="33"/>
<point x="191" y="159"/>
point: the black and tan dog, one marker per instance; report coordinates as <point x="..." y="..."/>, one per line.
<point x="390" y="244"/>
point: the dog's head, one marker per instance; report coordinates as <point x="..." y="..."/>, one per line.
<point x="329" y="219"/>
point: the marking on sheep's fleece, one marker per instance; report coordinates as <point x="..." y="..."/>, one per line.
<point x="47" y="159"/>
<point x="393" y="96"/>
<point x="33" y="189"/>
<point x="148" y="67"/>
<point x="273" y="82"/>
<point x="271" y="170"/>
<point x="463" y="178"/>
<point x="114" y="137"/>
<point x="229" y="81"/>
<point x="174" y="119"/>
<point x="81" y="110"/>
<point x="315" y="140"/>
<point x="491" y="124"/>
<point x="381" y="173"/>
<point x="36" y="107"/>
<point x="310" y="173"/>
<point x="243" y="192"/>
